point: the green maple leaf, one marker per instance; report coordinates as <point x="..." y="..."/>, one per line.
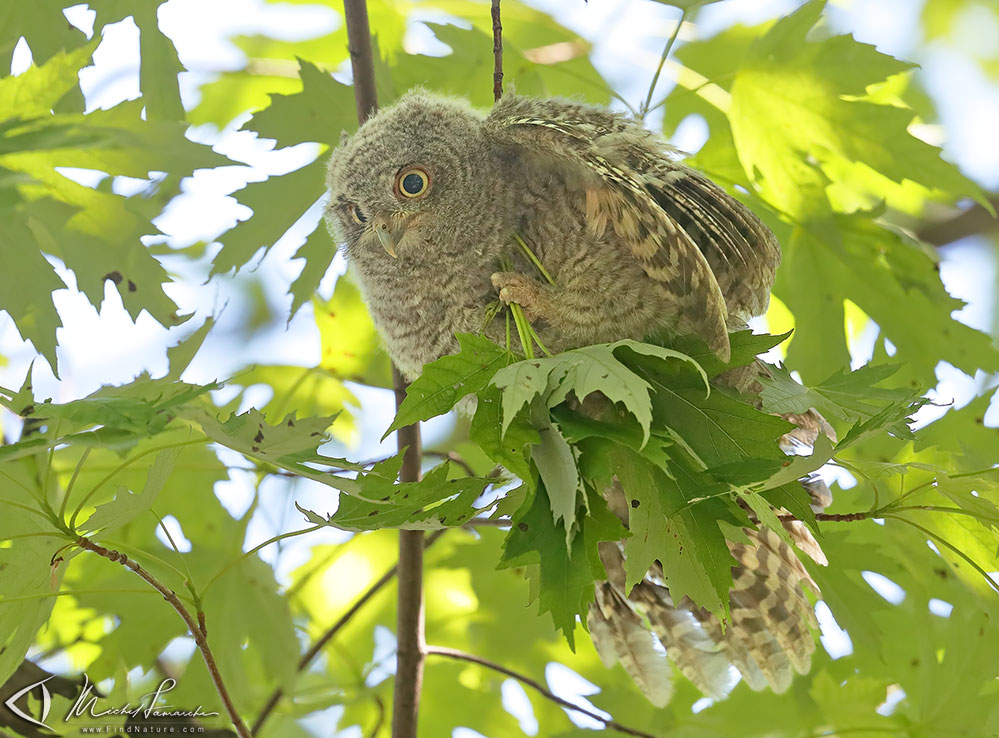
<point x="30" y="539"/>
<point x="318" y="252"/>
<point x="567" y="570"/>
<point x="44" y="27"/>
<point x="35" y="92"/>
<point x="180" y="355"/>
<point x="511" y="447"/>
<point x="527" y="28"/>
<point x="236" y="93"/>
<point x="963" y="431"/>
<point x="29" y="302"/>
<point x="160" y="65"/>
<point x="277" y="204"/>
<point x="668" y="525"/>
<point x="955" y="696"/>
<point x="894" y="418"/>
<point x="745" y="346"/>
<point x="819" y="342"/>
<point x="122" y="414"/>
<point x="849" y="256"/>
<point x="584" y="371"/>
<point x="555" y="460"/>
<point x="319" y="112"/>
<point x="795" y="99"/>
<point x="306" y="391"/>
<point x="127" y="506"/>
<point x="26" y="96"/>
<point x="445" y="381"/>
<point x="95" y="233"/>
<point x="291" y="444"/>
<point x="845" y="394"/>
<point x="46" y="30"/>
<point x="118" y="141"/>
<point x="379" y="502"/>
<point x="717" y="429"/>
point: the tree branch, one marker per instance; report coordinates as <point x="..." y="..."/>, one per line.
<point x="197" y="631"/>
<point x="409" y="636"/>
<point x="320" y="643"/>
<point x="497" y="52"/>
<point x="452" y="653"/>
<point x="362" y="63"/>
<point x="409" y="625"/>
<point x="973" y="221"/>
<point x="833" y="517"/>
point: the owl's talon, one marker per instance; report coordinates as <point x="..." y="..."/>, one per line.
<point x="519" y="289"/>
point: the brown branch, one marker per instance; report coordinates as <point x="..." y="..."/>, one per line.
<point x="409" y="620"/>
<point x="497" y="52"/>
<point x="381" y="718"/>
<point x="362" y="62"/>
<point x="832" y="517"/>
<point x="455" y="458"/>
<point x="320" y="643"/>
<point x="409" y="631"/>
<point x="490" y="523"/>
<point x="196" y="630"/>
<point x="409" y="636"/>
<point x="452" y="653"/>
<point x="973" y="221"/>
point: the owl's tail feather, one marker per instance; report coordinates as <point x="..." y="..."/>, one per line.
<point x="767" y="598"/>
<point x="696" y="654"/>
<point x="619" y="635"/>
<point x="769" y="636"/>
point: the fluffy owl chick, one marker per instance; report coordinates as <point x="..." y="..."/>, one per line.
<point x="427" y="195"/>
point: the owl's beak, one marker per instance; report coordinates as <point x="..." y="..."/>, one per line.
<point x="383" y="229"/>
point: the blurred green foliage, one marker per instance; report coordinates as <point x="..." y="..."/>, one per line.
<point x="812" y="130"/>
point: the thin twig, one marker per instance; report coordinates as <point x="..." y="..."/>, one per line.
<point x="455" y="458"/>
<point x="381" y="717"/>
<point x="490" y="522"/>
<point x="196" y="630"/>
<point x="72" y="482"/>
<point x="255" y="549"/>
<point x="834" y="517"/>
<point x="320" y="643"/>
<point x="497" y="52"/>
<point x="662" y="61"/>
<point x="452" y="653"/>
<point x="937" y="537"/>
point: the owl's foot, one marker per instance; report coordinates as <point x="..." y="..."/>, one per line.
<point x="520" y="289"/>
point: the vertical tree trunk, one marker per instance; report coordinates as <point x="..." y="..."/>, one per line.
<point x="409" y="625"/>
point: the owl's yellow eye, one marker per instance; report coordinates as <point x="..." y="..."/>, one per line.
<point x="357" y="215"/>
<point x="412" y="182"/>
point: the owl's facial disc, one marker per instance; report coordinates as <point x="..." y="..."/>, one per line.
<point x="412" y="183"/>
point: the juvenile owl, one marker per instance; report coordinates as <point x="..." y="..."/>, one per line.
<point x="427" y="194"/>
<point x="426" y="198"/>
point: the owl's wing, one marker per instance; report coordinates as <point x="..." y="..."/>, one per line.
<point x="712" y="254"/>
<point x="742" y="252"/>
